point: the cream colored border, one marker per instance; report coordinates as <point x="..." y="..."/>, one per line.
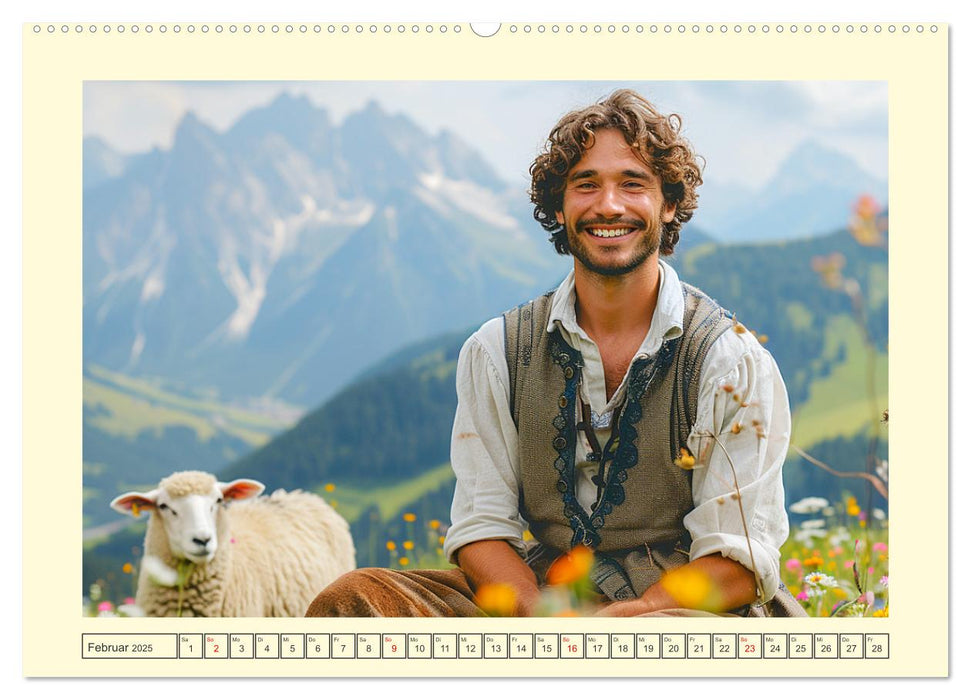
<point x="55" y="66"/>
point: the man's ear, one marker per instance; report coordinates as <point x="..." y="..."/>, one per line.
<point x="668" y="212"/>
<point x="560" y="219"/>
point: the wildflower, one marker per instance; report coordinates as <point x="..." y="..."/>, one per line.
<point x="686" y="461"/>
<point x="793" y="565"/>
<point x="333" y="503"/>
<point x="434" y="524"/>
<point x="159" y="572"/>
<point x="129" y="601"/>
<point x="809" y="505"/>
<point x="329" y="488"/>
<point x="130" y="609"/>
<point x="879" y="546"/>
<point x="408" y="544"/>
<point x="807" y="536"/>
<point x="813" y="524"/>
<point x="763" y="338"/>
<point x="877" y="513"/>
<point x="848" y="564"/>
<point x="885" y="581"/>
<point x="496" y="599"/>
<point x="820" y="580"/>
<point x="105" y="606"/>
<point x="864" y="226"/>
<point x="403" y="561"/>
<point x="882" y="612"/>
<point x="127" y="568"/>
<point x="391" y="546"/>
<point x="691" y="588"/>
<point x="570" y="567"/>
<point x="441" y="540"/>
<point x="830" y="269"/>
<point x="852" y="509"/>
<point x="802" y="595"/>
<point x="867" y="598"/>
<point x="409" y="517"/>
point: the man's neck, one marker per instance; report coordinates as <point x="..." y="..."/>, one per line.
<point x="611" y="307"/>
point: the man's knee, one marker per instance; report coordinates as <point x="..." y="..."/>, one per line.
<point x="350" y="595"/>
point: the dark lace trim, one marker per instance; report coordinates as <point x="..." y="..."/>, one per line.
<point x="643" y="374"/>
<point x="622" y="446"/>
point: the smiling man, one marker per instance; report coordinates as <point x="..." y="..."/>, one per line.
<point x="622" y="412"/>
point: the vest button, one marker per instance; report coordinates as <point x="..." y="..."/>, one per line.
<point x="563" y="402"/>
<point x="568" y="373"/>
<point x="559" y="443"/>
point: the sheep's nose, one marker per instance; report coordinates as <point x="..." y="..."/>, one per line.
<point x="201" y="541"/>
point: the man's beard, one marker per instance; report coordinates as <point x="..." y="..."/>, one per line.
<point x="649" y="241"/>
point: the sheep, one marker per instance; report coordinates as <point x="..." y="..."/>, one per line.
<point x="265" y="557"/>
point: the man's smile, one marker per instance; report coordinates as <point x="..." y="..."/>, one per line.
<point x="604" y="232"/>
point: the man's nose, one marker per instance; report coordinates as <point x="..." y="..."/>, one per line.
<point x="609" y="203"/>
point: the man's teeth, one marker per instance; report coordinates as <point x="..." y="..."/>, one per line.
<point x="609" y="232"/>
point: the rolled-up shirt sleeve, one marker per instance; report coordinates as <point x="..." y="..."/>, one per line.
<point x="485" y="447"/>
<point x="740" y="439"/>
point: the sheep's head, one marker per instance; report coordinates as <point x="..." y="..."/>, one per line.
<point x="188" y="505"/>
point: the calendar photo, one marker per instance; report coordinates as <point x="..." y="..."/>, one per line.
<point x="280" y="277"/>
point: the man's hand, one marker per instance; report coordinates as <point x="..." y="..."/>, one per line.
<point x="495" y="561"/>
<point x="734" y="584"/>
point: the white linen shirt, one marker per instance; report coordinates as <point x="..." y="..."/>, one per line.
<point x="485" y="442"/>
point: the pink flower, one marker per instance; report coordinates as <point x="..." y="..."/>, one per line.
<point x="869" y="569"/>
<point x="866" y="598"/>
<point x="802" y="596"/>
<point x="129" y="601"/>
<point x="879" y="547"/>
<point x="793" y="565"/>
<point x="105" y="606"/>
<point x="847" y="564"/>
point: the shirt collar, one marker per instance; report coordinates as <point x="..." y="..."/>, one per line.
<point x="666" y="323"/>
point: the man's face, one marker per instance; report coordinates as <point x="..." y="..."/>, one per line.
<point x="613" y="207"/>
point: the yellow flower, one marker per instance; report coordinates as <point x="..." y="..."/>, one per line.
<point x="813" y="562"/>
<point x="408" y="544"/>
<point x="403" y="561"/>
<point x="408" y="517"/>
<point x="496" y="599"/>
<point x="127" y="568"/>
<point x="391" y="546"/>
<point x="441" y="540"/>
<point x="434" y="524"/>
<point x="686" y="461"/>
<point x="853" y="509"/>
<point x="570" y="567"/>
<point x="691" y="589"/>
<point x="882" y="612"/>
<point x="329" y="488"/>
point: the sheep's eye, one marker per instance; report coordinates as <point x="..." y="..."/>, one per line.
<point x="164" y="506"/>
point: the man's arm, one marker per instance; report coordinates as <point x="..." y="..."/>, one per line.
<point x="735" y="585"/>
<point x="495" y="561"/>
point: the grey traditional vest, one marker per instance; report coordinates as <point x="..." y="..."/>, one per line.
<point x="636" y="527"/>
<point x="643" y="495"/>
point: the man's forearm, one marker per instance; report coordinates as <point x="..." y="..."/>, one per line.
<point x="495" y="561"/>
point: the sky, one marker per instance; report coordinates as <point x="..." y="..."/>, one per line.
<point x="743" y="129"/>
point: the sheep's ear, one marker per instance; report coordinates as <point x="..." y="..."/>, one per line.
<point x="133" y="503"/>
<point x="241" y="489"/>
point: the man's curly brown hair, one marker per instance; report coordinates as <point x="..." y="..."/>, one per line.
<point x="655" y="137"/>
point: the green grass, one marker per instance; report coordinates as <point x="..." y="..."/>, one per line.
<point x="839" y="404"/>
<point x="152" y="392"/>
<point x="125" y="407"/>
<point x="390" y="499"/>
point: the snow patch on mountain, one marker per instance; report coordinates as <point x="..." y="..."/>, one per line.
<point x="470" y="198"/>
